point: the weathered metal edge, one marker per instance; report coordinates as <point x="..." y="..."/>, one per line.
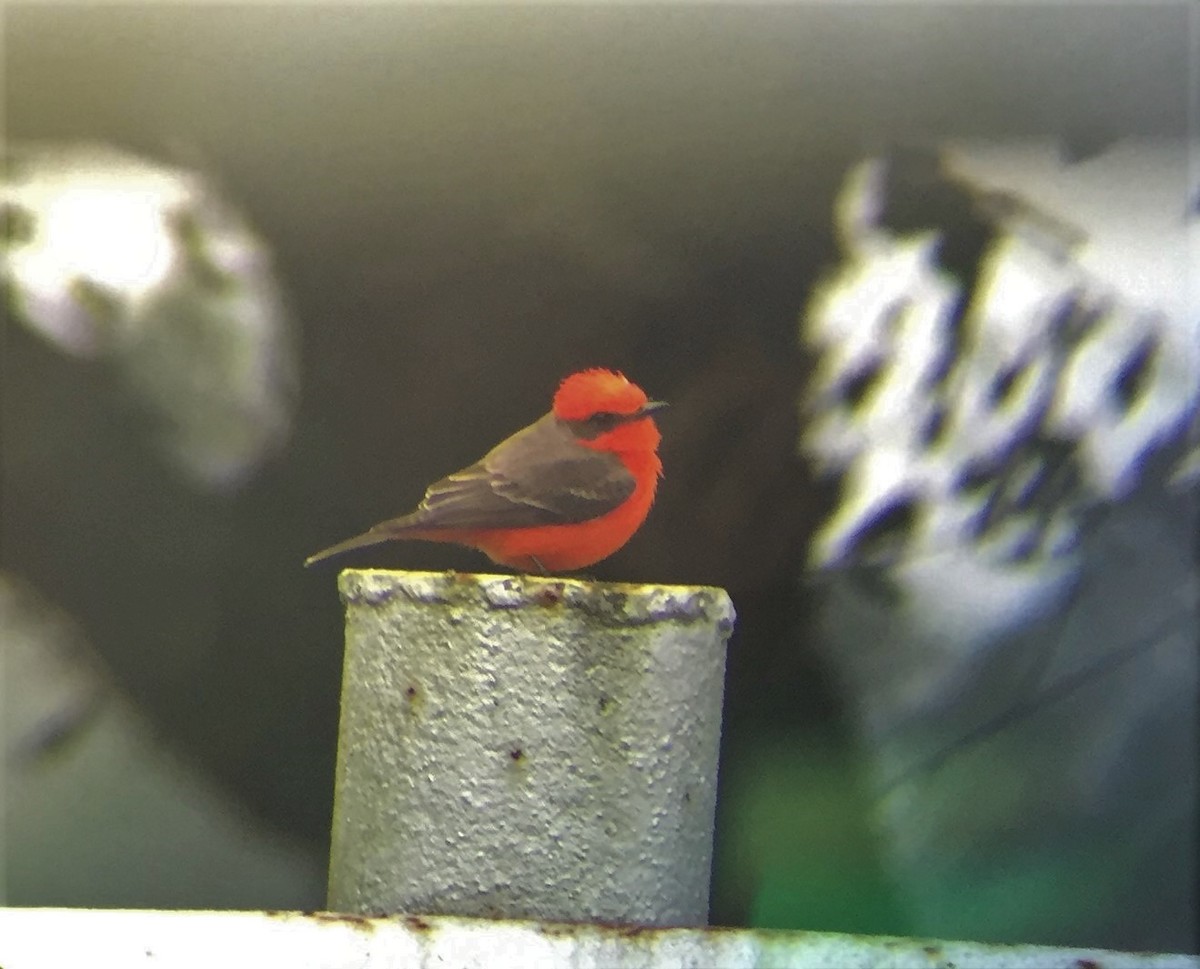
<point x="32" y="938"/>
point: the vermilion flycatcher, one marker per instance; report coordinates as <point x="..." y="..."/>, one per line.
<point x="562" y="494"/>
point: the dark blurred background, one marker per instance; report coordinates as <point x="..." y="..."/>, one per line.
<point x="463" y="205"/>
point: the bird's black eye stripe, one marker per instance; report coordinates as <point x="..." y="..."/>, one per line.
<point x="600" y="422"/>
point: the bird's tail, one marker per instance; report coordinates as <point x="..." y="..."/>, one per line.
<point x="373" y="537"/>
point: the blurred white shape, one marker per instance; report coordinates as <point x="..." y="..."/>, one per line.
<point x="934" y="405"/>
<point x="111" y="256"/>
<point x="1142" y="251"/>
<point x="1132" y="200"/>
<point x="1009" y="573"/>
<point x="92" y="216"/>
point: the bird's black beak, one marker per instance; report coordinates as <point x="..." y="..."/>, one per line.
<point x="651" y="406"/>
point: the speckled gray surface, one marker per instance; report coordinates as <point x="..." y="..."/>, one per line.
<point x="524" y="747"/>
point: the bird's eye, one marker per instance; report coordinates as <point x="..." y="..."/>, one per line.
<point x="598" y="423"/>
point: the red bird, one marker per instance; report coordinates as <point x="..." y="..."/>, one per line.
<point x="561" y="494"/>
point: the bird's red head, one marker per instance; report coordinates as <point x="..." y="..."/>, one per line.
<point x="603" y="398"/>
<point x="590" y="392"/>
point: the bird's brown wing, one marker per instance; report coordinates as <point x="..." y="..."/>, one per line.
<point x="541" y="475"/>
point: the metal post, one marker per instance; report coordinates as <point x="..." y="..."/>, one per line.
<point x="522" y="747"/>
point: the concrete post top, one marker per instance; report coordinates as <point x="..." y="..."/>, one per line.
<point x="522" y="746"/>
<point x="620" y="603"/>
